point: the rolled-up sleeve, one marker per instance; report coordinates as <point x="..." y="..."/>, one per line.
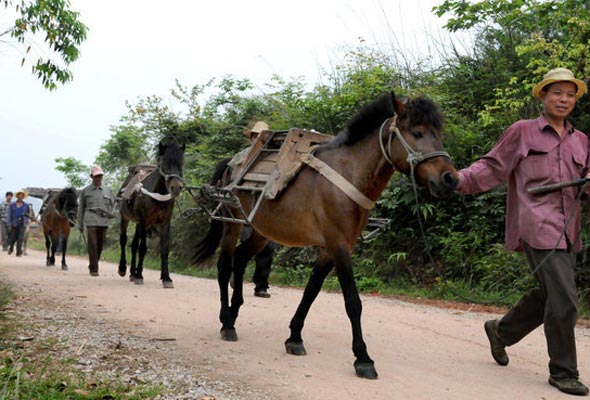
<point x="495" y="167"/>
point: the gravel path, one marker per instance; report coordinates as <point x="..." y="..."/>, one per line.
<point x="171" y="337"/>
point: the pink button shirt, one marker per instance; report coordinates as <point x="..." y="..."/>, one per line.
<point x="530" y="153"/>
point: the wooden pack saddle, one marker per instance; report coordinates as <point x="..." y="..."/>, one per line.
<point x="274" y="160"/>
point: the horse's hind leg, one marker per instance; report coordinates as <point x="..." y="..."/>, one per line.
<point x="363" y="364"/>
<point x="324" y="264"/>
<point x="243" y="253"/>
<point x="231" y="233"/>
<point x="164" y="248"/>
<point x="134" y="247"/>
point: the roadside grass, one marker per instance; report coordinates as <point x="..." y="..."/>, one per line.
<point x="31" y="369"/>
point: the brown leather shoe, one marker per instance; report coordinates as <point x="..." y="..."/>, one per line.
<point x="569" y="386"/>
<point x="496" y="345"/>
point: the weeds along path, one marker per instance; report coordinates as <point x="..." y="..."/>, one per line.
<point x="420" y="352"/>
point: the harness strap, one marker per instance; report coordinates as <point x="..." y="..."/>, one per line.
<point x="155" y="196"/>
<point x="330" y="174"/>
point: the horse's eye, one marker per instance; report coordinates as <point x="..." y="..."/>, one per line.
<point x="417" y="134"/>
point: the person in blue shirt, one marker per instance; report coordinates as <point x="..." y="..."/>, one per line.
<point x="17" y="219"/>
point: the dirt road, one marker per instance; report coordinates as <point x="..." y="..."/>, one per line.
<point x="420" y="352"/>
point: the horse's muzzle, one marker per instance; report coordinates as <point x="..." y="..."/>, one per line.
<point x="175" y="187"/>
<point x="445" y="186"/>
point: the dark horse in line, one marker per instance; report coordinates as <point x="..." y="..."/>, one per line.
<point x="151" y="207"/>
<point x="58" y="216"/>
<point x="385" y="136"/>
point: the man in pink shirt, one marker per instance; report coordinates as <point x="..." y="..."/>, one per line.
<point x="533" y="153"/>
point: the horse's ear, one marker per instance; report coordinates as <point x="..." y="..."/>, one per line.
<point x="398" y="107"/>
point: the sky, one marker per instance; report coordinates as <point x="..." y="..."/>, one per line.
<point x="138" y="48"/>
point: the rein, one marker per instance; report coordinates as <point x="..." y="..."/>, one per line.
<point x="413" y="156"/>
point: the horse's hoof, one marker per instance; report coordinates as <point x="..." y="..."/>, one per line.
<point x="138" y="281"/>
<point x="122" y="272"/>
<point x="48" y="264"/>
<point x="365" y="370"/>
<point x="131" y="278"/>
<point x="295" y="348"/>
<point x="64" y="267"/>
<point x="168" y="284"/>
<point x="229" y="335"/>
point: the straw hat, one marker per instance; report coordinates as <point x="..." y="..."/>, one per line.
<point x="21" y="191"/>
<point x="560" y="75"/>
<point x="258" y="127"/>
<point x="96" y="170"/>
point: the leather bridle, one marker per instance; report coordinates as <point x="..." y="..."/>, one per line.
<point x="414" y="157"/>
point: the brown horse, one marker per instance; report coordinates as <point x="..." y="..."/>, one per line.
<point x="58" y="216"/>
<point x="150" y="208"/>
<point x="385" y="136"/>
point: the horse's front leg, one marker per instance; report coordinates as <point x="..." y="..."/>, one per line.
<point x="47" y="248"/>
<point x="363" y="365"/>
<point x="54" y="243"/>
<point x="123" y="243"/>
<point x="64" y="249"/>
<point x="142" y="250"/>
<point x="324" y="264"/>
<point x="164" y="249"/>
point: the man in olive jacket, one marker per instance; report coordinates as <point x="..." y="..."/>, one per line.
<point x="95" y="207"/>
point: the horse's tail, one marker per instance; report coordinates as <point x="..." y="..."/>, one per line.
<point x="207" y="246"/>
<point x="220" y="169"/>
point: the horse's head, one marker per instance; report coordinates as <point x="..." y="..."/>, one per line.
<point x="67" y="204"/>
<point x="170" y="158"/>
<point x="415" y="145"/>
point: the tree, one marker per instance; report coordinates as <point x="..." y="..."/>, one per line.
<point x="75" y="171"/>
<point x="63" y="31"/>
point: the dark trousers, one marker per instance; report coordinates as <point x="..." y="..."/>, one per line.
<point x="17" y="235"/>
<point x="554" y="304"/>
<point x="5" y="235"/>
<point x="96" y="239"/>
<point x="263" y="264"/>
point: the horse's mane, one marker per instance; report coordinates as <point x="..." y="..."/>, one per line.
<point x="420" y="111"/>
<point x="170" y="151"/>
<point x="423" y="111"/>
<point x="69" y="191"/>
<point x="67" y="196"/>
<point x="366" y="120"/>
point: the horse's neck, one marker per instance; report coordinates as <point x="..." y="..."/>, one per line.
<point x="155" y="182"/>
<point x="364" y="166"/>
